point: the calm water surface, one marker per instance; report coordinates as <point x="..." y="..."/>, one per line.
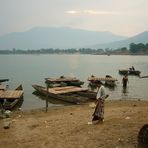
<point x="32" y="69"/>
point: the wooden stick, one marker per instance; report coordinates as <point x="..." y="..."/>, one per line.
<point x="2" y="108"/>
<point x="47" y="98"/>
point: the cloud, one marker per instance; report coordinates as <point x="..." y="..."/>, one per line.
<point x="92" y="12"/>
<point x="72" y="12"/>
<point x="97" y="12"/>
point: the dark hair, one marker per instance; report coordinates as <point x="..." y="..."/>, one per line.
<point x="98" y="82"/>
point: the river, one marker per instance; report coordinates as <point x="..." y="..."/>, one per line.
<point x="32" y="69"/>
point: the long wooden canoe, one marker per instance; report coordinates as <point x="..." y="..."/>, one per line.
<point x="94" y="78"/>
<point x="129" y="72"/>
<point x="108" y="80"/>
<point x="68" y="94"/>
<point x="63" y="81"/>
<point x="3" y="80"/>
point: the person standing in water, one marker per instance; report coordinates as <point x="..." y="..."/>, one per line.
<point x="124" y="81"/>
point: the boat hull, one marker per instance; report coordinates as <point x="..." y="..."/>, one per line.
<point x="68" y="97"/>
<point x="129" y="72"/>
<point x="10" y="104"/>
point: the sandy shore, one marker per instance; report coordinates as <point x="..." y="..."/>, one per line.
<point x="67" y="127"/>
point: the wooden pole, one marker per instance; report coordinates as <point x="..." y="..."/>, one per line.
<point x="47" y="98"/>
<point x="2" y="108"/>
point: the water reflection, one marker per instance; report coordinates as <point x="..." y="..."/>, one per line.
<point x="125" y="91"/>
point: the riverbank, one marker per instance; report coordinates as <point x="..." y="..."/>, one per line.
<point x="67" y="127"/>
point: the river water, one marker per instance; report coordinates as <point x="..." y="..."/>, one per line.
<point x="32" y="69"/>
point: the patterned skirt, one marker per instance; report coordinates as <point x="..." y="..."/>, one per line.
<point x="99" y="110"/>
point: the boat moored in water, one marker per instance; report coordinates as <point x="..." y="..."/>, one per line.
<point x="63" y="81"/>
<point x="11" y="98"/>
<point x="108" y="80"/>
<point x="71" y="94"/>
<point x="130" y="71"/>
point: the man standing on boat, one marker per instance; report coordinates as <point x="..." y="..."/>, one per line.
<point x="98" y="115"/>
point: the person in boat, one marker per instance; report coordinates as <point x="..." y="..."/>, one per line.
<point x="133" y="68"/>
<point x="124" y="81"/>
<point x="98" y="115"/>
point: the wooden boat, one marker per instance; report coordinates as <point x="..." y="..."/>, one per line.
<point x="130" y="71"/>
<point x="123" y="71"/>
<point x="3" y="80"/>
<point x="63" y="81"/>
<point x="50" y="100"/>
<point x="69" y="93"/>
<point x="13" y="98"/>
<point x="2" y="87"/>
<point x="134" y="72"/>
<point x="108" y="80"/>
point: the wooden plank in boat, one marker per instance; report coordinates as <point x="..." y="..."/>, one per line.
<point x="2" y="87"/>
<point x="64" y="90"/>
<point x="101" y="79"/>
<point x="11" y="94"/>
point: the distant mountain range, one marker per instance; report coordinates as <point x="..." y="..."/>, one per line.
<point x="65" y="37"/>
<point x="56" y="37"/>
<point x="140" y="38"/>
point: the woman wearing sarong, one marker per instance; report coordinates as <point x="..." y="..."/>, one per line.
<point x="98" y="115"/>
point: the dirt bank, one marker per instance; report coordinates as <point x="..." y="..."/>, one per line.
<point x="67" y="127"/>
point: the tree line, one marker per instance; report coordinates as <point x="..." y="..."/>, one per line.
<point x="139" y="48"/>
<point x="54" y="51"/>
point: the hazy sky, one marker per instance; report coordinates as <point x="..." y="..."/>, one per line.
<point x="122" y="17"/>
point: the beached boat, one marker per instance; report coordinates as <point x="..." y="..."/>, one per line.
<point x="12" y="98"/>
<point x="69" y="93"/>
<point x="108" y="80"/>
<point x="63" y="81"/>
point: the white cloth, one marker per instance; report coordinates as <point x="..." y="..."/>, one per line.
<point x="101" y="93"/>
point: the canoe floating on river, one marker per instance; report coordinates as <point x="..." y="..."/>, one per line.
<point x="129" y="72"/>
<point x="3" y="80"/>
<point x="63" y="81"/>
<point x="71" y="94"/>
<point x="108" y="80"/>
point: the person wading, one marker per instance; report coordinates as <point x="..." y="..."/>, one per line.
<point x="124" y="81"/>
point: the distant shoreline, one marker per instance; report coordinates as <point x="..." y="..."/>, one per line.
<point x="144" y="54"/>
